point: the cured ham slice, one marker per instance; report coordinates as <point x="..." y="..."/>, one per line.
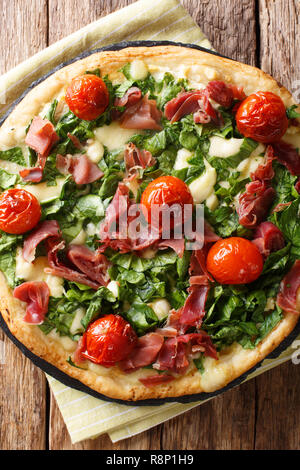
<point x="193" y="311"/>
<point x="255" y="203"/>
<point x="265" y="172"/>
<point x="36" y="295"/>
<point x="46" y="229"/>
<point x="156" y="380"/>
<point x="288" y="156"/>
<point x="81" y="168"/>
<point x="136" y="159"/>
<point x="177" y="245"/>
<point x="131" y="97"/>
<point x="220" y="93"/>
<point x="58" y="268"/>
<point x="145" y="352"/>
<point x="141" y="115"/>
<point x="78" y="357"/>
<point x="289" y="288"/>
<point x="175" y="352"/>
<point x="92" y="263"/>
<point x="268" y="238"/>
<point x="41" y="136"/>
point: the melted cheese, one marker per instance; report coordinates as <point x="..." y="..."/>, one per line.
<point x="220" y="147"/>
<point x="64" y="341"/>
<point x="202" y="187"/>
<point x="113" y="286"/>
<point x="44" y="193"/>
<point x="35" y="271"/>
<point x="94" y="150"/>
<point x="212" y="202"/>
<point x="113" y="136"/>
<point x="79" y="239"/>
<point x="161" y="308"/>
<point x="138" y="70"/>
<point x="76" y="326"/>
<point x="249" y="165"/>
<point x="181" y="159"/>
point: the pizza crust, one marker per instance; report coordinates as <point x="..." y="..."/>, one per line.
<point x="233" y="362"/>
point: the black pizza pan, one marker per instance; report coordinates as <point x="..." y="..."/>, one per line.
<point x="57" y="373"/>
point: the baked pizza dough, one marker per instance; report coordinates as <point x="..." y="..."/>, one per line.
<point x="198" y="68"/>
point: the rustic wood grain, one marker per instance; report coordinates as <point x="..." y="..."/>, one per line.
<point x="280" y="40"/>
<point x="23" y="30"/>
<point x="277" y="391"/>
<point x="230" y="26"/>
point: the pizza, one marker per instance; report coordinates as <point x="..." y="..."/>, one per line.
<point x="149" y="216"/>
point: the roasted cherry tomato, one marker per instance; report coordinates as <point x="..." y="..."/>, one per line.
<point x="262" y="117"/>
<point x="108" y="340"/>
<point x="234" y="260"/>
<point x="20" y="211"/>
<point x="163" y="192"/>
<point x="87" y="97"/>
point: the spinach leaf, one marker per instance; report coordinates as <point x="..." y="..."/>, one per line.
<point x="7" y="180"/>
<point x="14" y="155"/>
<point x="141" y="317"/>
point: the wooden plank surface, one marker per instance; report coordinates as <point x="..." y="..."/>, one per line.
<point x="23" y="30"/>
<point x="263" y="413"/>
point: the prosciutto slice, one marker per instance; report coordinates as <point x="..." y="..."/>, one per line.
<point x="60" y="269"/>
<point x="268" y="238"/>
<point x="265" y="172"/>
<point x="41" y="136"/>
<point x="36" y="295"/>
<point x="175" y="352"/>
<point x="193" y="311"/>
<point x="220" y="93"/>
<point x="289" y="288"/>
<point x="255" y="203"/>
<point x="288" y="156"/>
<point x="136" y="158"/>
<point x="145" y="352"/>
<point x="131" y="97"/>
<point x="141" y="115"/>
<point x="81" y="168"/>
<point x="158" y="379"/>
<point x="92" y="263"/>
<point x="177" y="245"/>
<point x="46" y="229"/>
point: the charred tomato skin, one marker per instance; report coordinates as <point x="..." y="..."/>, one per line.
<point x="87" y="97"/>
<point x="108" y="340"/>
<point x="262" y="117"/>
<point x="20" y="211"/>
<point x="165" y="191"/>
<point x="234" y="260"/>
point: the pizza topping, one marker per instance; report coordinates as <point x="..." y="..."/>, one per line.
<point x="288" y="156"/>
<point x="175" y="352"/>
<point x="262" y="117"/>
<point x="141" y="115"/>
<point x="108" y="340"/>
<point x="268" y="238"/>
<point x="20" y="211"/>
<point x="234" y="260"/>
<point x="136" y="159"/>
<point x="220" y="93"/>
<point x="177" y="245"/>
<point x="83" y="170"/>
<point x="132" y="96"/>
<point x="192" y="102"/>
<point x="48" y="228"/>
<point x="87" y="97"/>
<point x="144" y="353"/>
<point x="156" y="380"/>
<point x="163" y="193"/>
<point x="255" y="203"/>
<point x="297" y="186"/>
<point x="36" y="295"/>
<point x="92" y="263"/>
<point x="41" y="136"/>
<point x="193" y="311"/>
<point x="289" y="287"/>
<point x="58" y="268"/>
<point x="265" y="172"/>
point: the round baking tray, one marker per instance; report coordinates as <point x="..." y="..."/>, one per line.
<point x="76" y="384"/>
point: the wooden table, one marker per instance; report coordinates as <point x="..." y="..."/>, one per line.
<point x="261" y="414"/>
